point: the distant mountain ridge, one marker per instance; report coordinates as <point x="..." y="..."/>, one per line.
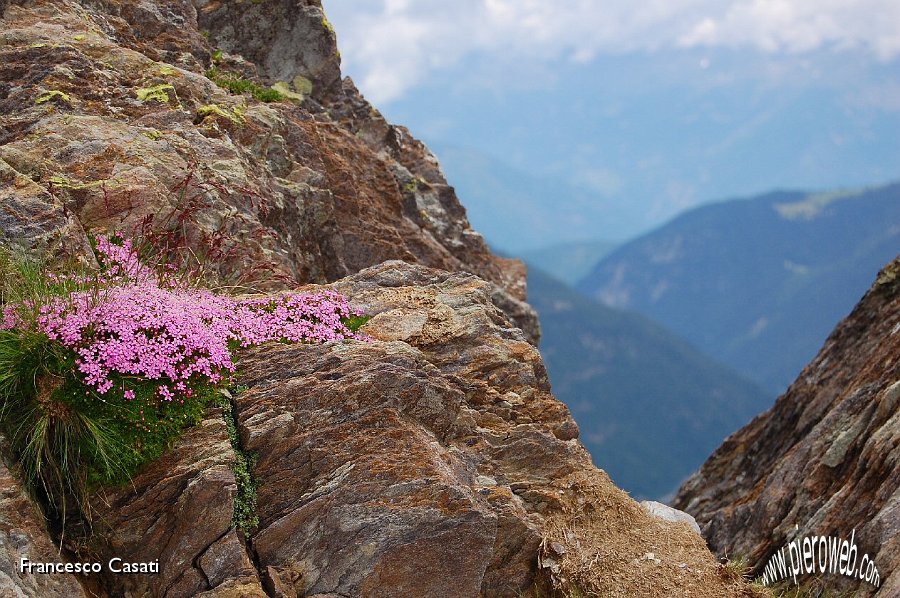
<point x="650" y="406"/>
<point x="759" y="282"/>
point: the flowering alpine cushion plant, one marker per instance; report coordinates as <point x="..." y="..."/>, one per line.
<point x="98" y="374"/>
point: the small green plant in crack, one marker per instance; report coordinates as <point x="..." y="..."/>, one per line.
<point x="239" y="86"/>
<point x="738" y="567"/>
<point x="354" y="323"/>
<point x="245" y="518"/>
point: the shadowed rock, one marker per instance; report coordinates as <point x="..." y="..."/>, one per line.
<point x="23" y="535"/>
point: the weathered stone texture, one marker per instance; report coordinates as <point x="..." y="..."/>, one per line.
<point x="433" y="461"/>
<point x="32" y="219"/>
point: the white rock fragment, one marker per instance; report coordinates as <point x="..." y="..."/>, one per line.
<point x="661" y="511"/>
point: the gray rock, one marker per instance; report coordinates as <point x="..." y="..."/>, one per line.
<point x="286" y="39"/>
<point x="658" y="509"/>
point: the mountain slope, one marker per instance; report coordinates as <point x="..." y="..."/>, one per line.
<point x="650" y="406"/>
<point x="758" y="283"/>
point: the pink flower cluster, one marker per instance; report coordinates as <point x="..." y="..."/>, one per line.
<point x="135" y="325"/>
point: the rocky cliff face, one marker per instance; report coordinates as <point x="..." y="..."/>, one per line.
<point x="824" y="458"/>
<point x="432" y="461"/>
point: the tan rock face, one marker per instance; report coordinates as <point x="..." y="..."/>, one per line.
<point x="824" y="458"/>
<point x="377" y="470"/>
<point x="434" y="461"/>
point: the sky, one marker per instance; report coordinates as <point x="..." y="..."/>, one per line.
<point x="649" y="108"/>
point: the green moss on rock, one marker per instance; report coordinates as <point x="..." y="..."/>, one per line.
<point x="236" y="116"/>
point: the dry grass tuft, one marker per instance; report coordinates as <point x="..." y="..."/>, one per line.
<point x="603" y="543"/>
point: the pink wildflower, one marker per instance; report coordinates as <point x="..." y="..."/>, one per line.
<point x="139" y="325"/>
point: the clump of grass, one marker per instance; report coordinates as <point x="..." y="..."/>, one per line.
<point x="239" y="86"/>
<point x="69" y="436"/>
<point x="738" y="567"/>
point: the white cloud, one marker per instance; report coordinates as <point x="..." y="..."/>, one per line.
<point x="802" y="25"/>
<point x="396" y="44"/>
